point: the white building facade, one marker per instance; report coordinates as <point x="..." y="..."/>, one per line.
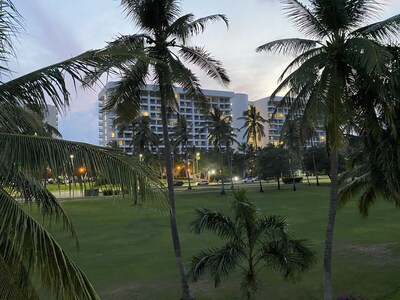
<point x="274" y="125"/>
<point x="229" y="103"/>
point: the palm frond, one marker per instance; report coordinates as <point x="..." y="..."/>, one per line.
<point x="186" y="26"/>
<point x="367" y="54"/>
<point x="40" y="252"/>
<point x="11" y="25"/>
<point x="123" y="172"/>
<point x="128" y="88"/>
<point x="32" y="88"/>
<point x="214" y="221"/>
<point x="33" y="192"/>
<point x="188" y="80"/>
<point x="218" y="261"/>
<point x="353" y="189"/>
<point x="293" y="46"/>
<point x="14" y="282"/>
<point x="384" y="31"/>
<point x="288" y="258"/>
<point x="303" y="18"/>
<point x="201" y="58"/>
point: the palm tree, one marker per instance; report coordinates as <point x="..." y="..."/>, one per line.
<point x="243" y="148"/>
<point x="291" y="140"/>
<point x="126" y="117"/>
<point x="29" y="256"/>
<point x="182" y="133"/>
<point x="161" y="52"/>
<point x="374" y="151"/>
<point x="318" y="81"/>
<point x="252" y="242"/>
<point x="254" y="124"/>
<point x="220" y="132"/>
<point x="143" y="136"/>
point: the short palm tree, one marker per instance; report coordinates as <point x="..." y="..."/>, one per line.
<point x="182" y="133"/>
<point x="29" y="255"/>
<point x="319" y="80"/>
<point x="253" y="242"/>
<point x="220" y="133"/>
<point x="162" y="50"/>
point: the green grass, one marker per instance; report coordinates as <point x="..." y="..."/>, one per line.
<point x="127" y="252"/>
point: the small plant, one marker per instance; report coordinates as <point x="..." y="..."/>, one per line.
<point x="253" y="242"/>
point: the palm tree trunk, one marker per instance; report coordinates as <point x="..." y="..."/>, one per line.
<point x="279" y="183"/>
<point x="291" y="170"/>
<point x="186" y="292"/>
<point x="315" y="168"/>
<point x="222" y="173"/>
<point x="328" y="291"/>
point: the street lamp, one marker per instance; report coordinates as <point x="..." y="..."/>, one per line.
<point x="82" y="171"/>
<point x="197" y="162"/>
<point x="140" y="157"/>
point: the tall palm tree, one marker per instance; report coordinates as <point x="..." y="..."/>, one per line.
<point x="143" y="136"/>
<point x="375" y="151"/>
<point x="29" y="255"/>
<point x="254" y="124"/>
<point x="291" y="140"/>
<point x="163" y="49"/>
<point x="318" y="81"/>
<point x="220" y="132"/>
<point x="252" y="242"/>
<point x="182" y="133"/>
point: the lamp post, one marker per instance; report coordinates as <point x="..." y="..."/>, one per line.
<point x="73" y="175"/>
<point x="197" y="162"/>
<point x="140" y="157"/>
<point x="82" y="171"/>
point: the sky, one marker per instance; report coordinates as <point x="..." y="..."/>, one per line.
<point x="59" y="29"/>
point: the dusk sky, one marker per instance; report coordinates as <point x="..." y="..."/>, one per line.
<point x="56" y="30"/>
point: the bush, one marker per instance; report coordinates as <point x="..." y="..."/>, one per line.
<point x="288" y="180"/>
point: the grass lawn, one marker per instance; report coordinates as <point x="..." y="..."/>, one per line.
<point x="127" y="252"/>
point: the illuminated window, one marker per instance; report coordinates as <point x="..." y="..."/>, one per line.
<point x="105" y="131"/>
<point x="113" y="134"/>
<point x="120" y="143"/>
<point x="105" y="118"/>
<point x="145" y="114"/>
<point x="105" y="124"/>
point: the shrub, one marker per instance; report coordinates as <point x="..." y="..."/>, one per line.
<point x="288" y="180"/>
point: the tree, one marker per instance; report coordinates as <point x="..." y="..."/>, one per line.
<point x="373" y="154"/>
<point x="220" y="132"/>
<point x="182" y="133"/>
<point x="29" y="256"/>
<point x="273" y="162"/>
<point x="254" y="124"/>
<point x="319" y="80"/>
<point x="143" y="136"/>
<point x="252" y="242"/>
<point x="291" y="140"/>
<point x="161" y="52"/>
<point x="315" y="159"/>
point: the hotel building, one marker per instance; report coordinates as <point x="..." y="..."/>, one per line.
<point x="150" y="105"/>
